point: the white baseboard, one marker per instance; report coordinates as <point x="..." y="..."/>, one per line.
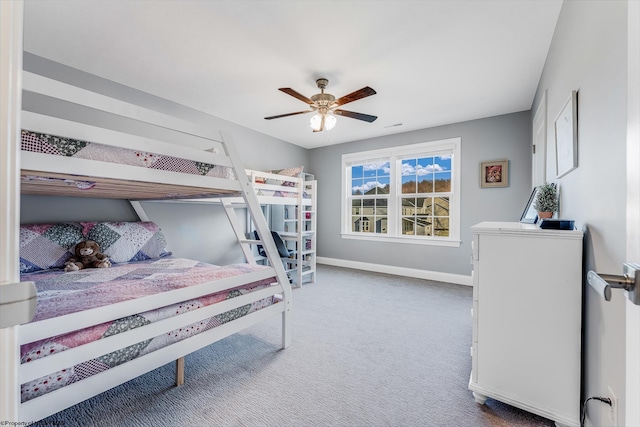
<point x="458" y="279"/>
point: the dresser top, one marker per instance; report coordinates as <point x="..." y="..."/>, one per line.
<point x="521" y="228"/>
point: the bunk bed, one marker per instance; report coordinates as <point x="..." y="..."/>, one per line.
<point x="149" y="308"/>
<point x="290" y="196"/>
<point x="289" y="202"/>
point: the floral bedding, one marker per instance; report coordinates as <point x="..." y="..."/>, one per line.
<point x="61" y="293"/>
<point x="272" y="193"/>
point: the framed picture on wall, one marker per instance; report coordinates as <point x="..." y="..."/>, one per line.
<point x="566" y="130"/>
<point x="494" y="173"/>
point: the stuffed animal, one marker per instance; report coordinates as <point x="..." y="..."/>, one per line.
<point x="87" y="255"/>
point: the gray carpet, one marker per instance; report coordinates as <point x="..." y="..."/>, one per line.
<point x="368" y="350"/>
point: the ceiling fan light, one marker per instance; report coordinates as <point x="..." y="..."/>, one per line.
<point x="329" y="121"/>
<point x="316" y="122"/>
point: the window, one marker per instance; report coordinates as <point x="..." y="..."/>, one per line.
<point x="408" y="193"/>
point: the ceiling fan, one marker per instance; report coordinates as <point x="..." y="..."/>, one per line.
<point x="326" y="105"/>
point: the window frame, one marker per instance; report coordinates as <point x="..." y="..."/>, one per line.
<point x="395" y="155"/>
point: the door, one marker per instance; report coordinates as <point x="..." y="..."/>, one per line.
<point x="539" y="141"/>
<point x="632" y="415"/>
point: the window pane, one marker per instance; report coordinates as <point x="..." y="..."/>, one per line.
<point x="425" y="166"/>
<point x="365" y="225"/>
<point x="370" y="169"/>
<point x="408" y="225"/>
<point x="409" y="184"/>
<point x="443" y="182"/>
<point x="381" y="224"/>
<point x="381" y="207"/>
<point x="423" y="206"/>
<point x="408" y="167"/>
<point x="356" y="222"/>
<point x="442" y="163"/>
<point x="384" y="169"/>
<point x="441" y="206"/>
<point x="356" y="171"/>
<point x="423" y="226"/>
<point x="408" y="206"/>
<point x="356" y="207"/>
<point x="425" y="184"/>
<point x="357" y="186"/>
<point x="428" y="205"/>
<point x="441" y="227"/>
<point x="383" y="185"/>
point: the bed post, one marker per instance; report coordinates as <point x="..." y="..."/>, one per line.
<point x="11" y="20"/>
<point x="180" y="371"/>
<point x="251" y="200"/>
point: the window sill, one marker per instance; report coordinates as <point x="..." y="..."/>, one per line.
<point x="405" y="240"/>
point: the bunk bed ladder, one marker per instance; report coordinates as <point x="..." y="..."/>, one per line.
<point x="245" y="241"/>
<point x="259" y="221"/>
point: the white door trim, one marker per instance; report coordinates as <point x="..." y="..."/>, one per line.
<point x="11" y="19"/>
<point x="632" y="413"/>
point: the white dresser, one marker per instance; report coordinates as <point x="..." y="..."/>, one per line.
<point x="527" y="308"/>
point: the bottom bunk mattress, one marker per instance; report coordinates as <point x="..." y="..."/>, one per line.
<point x="61" y="293"/>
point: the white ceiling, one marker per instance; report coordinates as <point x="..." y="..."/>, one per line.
<point x="432" y="62"/>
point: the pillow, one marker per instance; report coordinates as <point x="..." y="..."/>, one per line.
<point x="128" y="241"/>
<point x="292" y="172"/>
<point x="45" y="246"/>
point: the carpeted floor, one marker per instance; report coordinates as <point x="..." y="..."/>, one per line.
<point x="368" y="350"/>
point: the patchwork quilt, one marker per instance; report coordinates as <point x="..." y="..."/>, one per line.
<point x="61" y="293"/>
<point x="45" y="246"/>
<point x="61" y="146"/>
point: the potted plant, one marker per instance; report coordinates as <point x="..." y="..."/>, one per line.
<point x="546" y="201"/>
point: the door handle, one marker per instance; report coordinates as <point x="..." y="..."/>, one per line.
<point x="629" y="281"/>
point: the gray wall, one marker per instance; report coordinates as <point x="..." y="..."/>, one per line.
<point x="588" y="54"/>
<point x="502" y="137"/>
<point x="199" y="232"/>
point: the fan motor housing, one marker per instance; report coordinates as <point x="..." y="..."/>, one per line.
<point x="323" y="98"/>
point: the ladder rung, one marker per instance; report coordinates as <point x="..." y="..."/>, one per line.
<point x="250" y="241"/>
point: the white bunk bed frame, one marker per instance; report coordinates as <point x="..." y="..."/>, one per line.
<point x="301" y="268"/>
<point x="140" y="184"/>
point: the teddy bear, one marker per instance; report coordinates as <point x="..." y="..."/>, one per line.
<point x="87" y="255"/>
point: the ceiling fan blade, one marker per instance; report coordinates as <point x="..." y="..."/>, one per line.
<point x="288" y="114"/>
<point x="354" y="96"/>
<point x="295" y="94"/>
<point x="352" y="115"/>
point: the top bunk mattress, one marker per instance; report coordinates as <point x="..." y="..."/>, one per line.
<point x="51" y="183"/>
